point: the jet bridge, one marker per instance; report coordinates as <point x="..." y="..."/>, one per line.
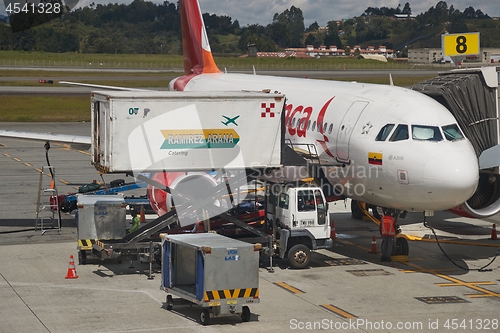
<point x="472" y="97"/>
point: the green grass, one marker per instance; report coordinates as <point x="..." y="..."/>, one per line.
<point x="159" y="61"/>
<point x="22" y="108"/>
<point x="28" y="108"/>
<point x="49" y="73"/>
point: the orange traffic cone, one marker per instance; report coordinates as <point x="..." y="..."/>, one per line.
<point x="71" y="269"/>
<point x="142" y="217"/>
<point x="333" y="233"/>
<point x="374" y="246"/>
<point x="494" y="232"/>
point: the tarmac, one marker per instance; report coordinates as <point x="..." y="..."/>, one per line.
<point x="346" y="289"/>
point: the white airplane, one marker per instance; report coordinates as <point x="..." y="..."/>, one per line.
<point x="387" y="146"/>
<point x="393" y="147"/>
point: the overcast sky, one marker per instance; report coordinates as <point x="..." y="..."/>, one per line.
<point x="321" y="11"/>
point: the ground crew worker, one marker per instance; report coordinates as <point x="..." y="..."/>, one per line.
<point x="388" y="231"/>
<point x="136" y="221"/>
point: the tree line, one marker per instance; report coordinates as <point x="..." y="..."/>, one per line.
<point x="150" y="28"/>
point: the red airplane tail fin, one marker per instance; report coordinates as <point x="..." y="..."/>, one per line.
<point x="195" y="47"/>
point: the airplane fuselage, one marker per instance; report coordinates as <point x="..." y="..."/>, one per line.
<point x="426" y="170"/>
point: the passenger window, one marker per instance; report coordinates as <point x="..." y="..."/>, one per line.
<point x="330" y="129"/>
<point x="324" y="127"/>
<point x="308" y="125"/>
<point x="293" y="122"/>
<point x="426" y="133"/>
<point x="452" y="132"/>
<point x="401" y="133"/>
<point x="313" y="128"/>
<point x="384" y="132"/>
<point x="320" y="124"/>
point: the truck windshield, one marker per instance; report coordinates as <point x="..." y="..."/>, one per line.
<point x="305" y="201"/>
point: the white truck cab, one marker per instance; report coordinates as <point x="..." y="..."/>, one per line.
<point x="299" y="215"/>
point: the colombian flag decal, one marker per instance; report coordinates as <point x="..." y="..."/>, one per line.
<point x="375" y="158"/>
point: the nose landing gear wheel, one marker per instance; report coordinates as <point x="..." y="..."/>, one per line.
<point x="401" y="247"/>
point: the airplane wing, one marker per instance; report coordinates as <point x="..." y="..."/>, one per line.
<point x="76" y="141"/>
<point x="98" y="86"/>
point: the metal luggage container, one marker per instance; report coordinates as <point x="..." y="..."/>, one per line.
<point x="216" y="272"/>
<point x="101" y="217"/>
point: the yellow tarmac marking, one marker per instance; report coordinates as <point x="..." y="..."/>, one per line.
<point x="16" y="159"/>
<point x="459" y="283"/>
<point x="289" y="288"/>
<point x="423" y="270"/>
<point x="65" y="182"/>
<point x="454" y="282"/>
<point x="338" y="311"/>
<point x="66" y="146"/>
<point x="27" y="164"/>
<point x="447" y="241"/>
<point x="5" y="154"/>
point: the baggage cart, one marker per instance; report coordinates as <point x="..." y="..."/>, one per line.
<point x="218" y="273"/>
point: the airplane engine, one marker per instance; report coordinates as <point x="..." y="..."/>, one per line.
<point x="485" y="201"/>
<point x="192" y="184"/>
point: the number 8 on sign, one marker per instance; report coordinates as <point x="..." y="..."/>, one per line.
<point x="460" y="44"/>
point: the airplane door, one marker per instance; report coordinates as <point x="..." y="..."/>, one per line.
<point x="346" y="127"/>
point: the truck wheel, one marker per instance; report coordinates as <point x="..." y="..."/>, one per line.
<point x="356" y="212"/>
<point x="205" y="317"/>
<point x="245" y="313"/>
<point x="299" y="256"/>
<point x="170" y="302"/>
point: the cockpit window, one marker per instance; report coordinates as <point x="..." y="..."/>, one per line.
<point x="452" y="132"/>
<point x="426" y="133"/>
<point x="384" y="132"/>
<point x="401" y="133"/>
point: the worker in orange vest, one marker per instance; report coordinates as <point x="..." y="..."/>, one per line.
<point x="388" y="231"/>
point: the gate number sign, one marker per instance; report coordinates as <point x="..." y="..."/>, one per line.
<point x="460" y="44"/>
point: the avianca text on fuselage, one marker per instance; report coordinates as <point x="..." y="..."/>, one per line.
<point x="300" y="129"/>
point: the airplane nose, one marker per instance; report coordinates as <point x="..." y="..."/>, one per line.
<point x="451" y="178"/>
